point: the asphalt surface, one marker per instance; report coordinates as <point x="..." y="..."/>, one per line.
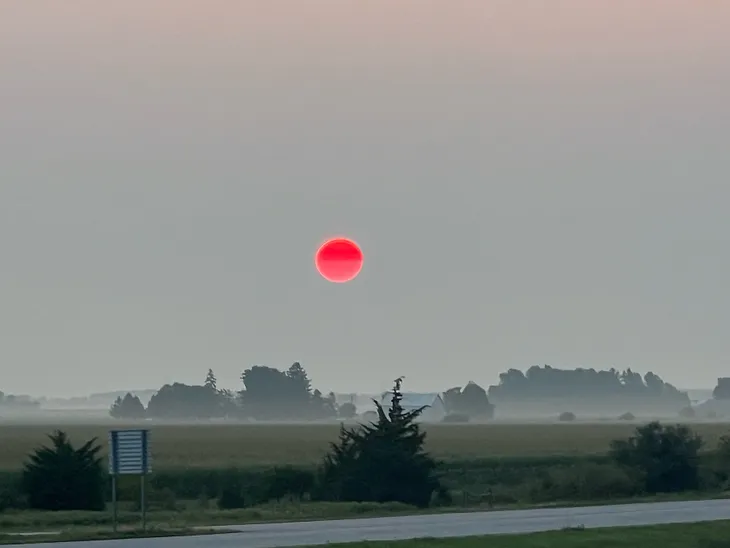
<point x="434" y="525"/>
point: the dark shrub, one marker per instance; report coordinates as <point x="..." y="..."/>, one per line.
<point x="231" y="497"/>
<point x="129" y="407"/>
<point x="10" y="500"/>
<point x="590" y="482"/>
<point x="442" y="497"/>
<point x="566" y="416"/>
<point x="666" y="457"/>
<point x="288" y="482"/>
<point x="61" y="477"/>
<point x="381" y="462"/>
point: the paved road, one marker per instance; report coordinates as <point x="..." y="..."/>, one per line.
<point x="435" y="525"/>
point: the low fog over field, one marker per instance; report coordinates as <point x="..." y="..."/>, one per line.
<point x="269" y="394"/>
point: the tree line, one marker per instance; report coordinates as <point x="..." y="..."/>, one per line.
<point x="548" y="381"/>
<point x="12" y="400"/>
<point x="267" y="394"/>
<point x="271" y="394"/>
<point x="587" y="388"/>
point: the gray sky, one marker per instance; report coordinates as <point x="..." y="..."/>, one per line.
<point x="530" y="183"/>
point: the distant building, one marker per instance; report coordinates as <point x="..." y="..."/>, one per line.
<point x="713" y="409"/>
<point x="435" y="409"/>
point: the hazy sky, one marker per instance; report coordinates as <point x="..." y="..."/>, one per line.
<point x="531" y="182"/>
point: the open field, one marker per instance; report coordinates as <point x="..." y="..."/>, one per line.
<point x="692" y="535"/>
<point x="243" y="445"/>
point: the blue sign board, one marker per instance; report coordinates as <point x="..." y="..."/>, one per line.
<point x="129" y="452"/>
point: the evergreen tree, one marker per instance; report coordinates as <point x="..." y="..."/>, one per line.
<point x="62" y="477"/>
<point x="383" y="461"/>
<point x="210" y="381"/>
<point x="300" y="385"/>
<point x="129" y="407"/>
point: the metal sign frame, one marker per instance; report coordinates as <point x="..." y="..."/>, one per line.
<point x="129" y="454"/>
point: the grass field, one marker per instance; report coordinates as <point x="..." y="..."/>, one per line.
<point x="241" y="445"/>
<point x="693" y="535"/>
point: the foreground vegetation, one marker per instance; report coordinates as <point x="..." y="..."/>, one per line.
<point x="191" y="471"/>
<point x="693" y="535"/>
<point x="196" y="513"/>
<point x="376" y="468"/>
<point x="190" y="514"/>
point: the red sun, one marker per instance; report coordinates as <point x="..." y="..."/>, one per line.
<point x="339" y="260"/>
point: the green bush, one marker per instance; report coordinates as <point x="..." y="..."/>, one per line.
<point x="666" y="458"/>
<point x="543" y="479"/>
<point x="287" y="481"/>
<point x="189" y="483"/>
<point x="585" y="482"/>
<point x="11" y="494"/>
<point x="11" y="500"/>
<point x="241" y="488"/>
<point x="232" y="497"/>
<point x="61" y="477"/>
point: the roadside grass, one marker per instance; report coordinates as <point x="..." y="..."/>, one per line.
<point x="53" y="522"/>
<point x="693" y="535"/>
<point x="84" y="534"/>
<point x="34" y="521"/>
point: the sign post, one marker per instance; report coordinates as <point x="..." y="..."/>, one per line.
<point x="129" y="455"/>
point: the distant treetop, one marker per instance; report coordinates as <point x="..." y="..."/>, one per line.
<point x="541" y="382"/>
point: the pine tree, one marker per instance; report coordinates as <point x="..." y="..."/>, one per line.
<point x="210" y="381"/>
<point x="129" y="407"/>
<point x="62" y="477"/>
<point x="383" y="461"/>
<point x="299" y="376"/>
